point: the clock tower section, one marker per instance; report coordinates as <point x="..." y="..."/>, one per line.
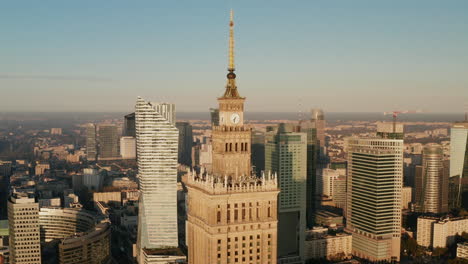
<point x="231" y="138"/>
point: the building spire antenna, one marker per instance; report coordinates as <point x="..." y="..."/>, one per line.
<point x="231" y="88"/>
<point x="231" y="42"/>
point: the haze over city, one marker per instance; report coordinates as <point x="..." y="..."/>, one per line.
<point x="351" y="56"/>
<point x="253" y="132"/>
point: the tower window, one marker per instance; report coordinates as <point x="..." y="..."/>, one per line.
<point x="230" y="146"/>
<point x="236" y="147"/>
<point x="226" y="147"/>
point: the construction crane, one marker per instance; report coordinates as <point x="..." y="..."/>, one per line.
<point x="395" y="116"/>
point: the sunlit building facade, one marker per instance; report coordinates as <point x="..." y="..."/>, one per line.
<point x="374" y="183"/>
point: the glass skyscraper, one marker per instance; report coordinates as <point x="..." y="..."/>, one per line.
<point x="431" y="181"/>
<point x="286" y="155"/>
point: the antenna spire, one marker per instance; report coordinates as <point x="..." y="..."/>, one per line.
<point x="231" y="88"/>
<point x="231" y="42"/>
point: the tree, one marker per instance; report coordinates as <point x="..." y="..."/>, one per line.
<point x="458" y="261"/>
<point x="410" y="246"/>
<point x="439" y="251"/>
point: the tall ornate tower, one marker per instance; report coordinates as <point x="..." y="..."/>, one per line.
<point x="231" y="214"/>
<point x="231" y="138"/>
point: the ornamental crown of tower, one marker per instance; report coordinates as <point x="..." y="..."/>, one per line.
<point x="231" y="138"/>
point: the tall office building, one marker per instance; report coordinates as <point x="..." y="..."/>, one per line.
<point x="375" y="177"/>
<point x="108" y="141"/>
<point x="23" y="222"/>
<point x="185" y="143"/>
<point x="232" y="214"/>
<point x="286" y="155"/>
<point x="258" y="151"/>
<point x="214" y="115"/>
<point x="459" y="165"/>
<point x="318" y="120"/>
<point x="129" y="125"/>
<point x="156" y="139"/>
<point x="313" y="151"/>
<point x="5" y="173"/>
<point x="432" y="181"/>
<point x="91" y="142"/>
<point x="390" y="130"/>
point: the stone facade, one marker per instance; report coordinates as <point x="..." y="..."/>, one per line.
<point x="231" y="223"/>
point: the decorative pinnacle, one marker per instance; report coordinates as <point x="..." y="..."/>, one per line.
<point x="231" y="42"/>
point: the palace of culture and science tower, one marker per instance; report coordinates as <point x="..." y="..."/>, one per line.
<point x="232" y="214"/>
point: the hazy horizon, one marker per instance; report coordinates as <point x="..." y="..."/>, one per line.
<point x="205" y="115"/>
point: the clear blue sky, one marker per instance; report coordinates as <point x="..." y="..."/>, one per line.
<point x="290" y="55"/>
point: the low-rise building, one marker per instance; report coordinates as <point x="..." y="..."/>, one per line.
<point x="440" y="232"/>
<point x="124" y="183"/>
<point x="462" y="250"/>
<point x="56" y="131"/>
<point x="41" y="168"/>
<point x="327" y="218"/>
<point x="321" y="245"/>
<point x="81" y="235"/>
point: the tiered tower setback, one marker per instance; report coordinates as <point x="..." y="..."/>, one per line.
<point x="231" y="214"/>
<point x="231" y="138"/>
<point x="157" y="143"/>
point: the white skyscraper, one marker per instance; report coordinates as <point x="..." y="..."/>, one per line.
<point x="157" y="142"/>
<point x="375" y="179"/>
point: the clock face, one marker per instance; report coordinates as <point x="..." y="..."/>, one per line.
<point x="235" y="118"/>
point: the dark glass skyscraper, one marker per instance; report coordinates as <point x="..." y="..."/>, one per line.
<point x="313" y="145"/>
<point x="318" y="121"/>
<point x="258" y="151"/>
<point x="214" y="114"/>
<point x="5" y="173"/>
<point x="129" y="125"/>
<point x="185" y="143"/>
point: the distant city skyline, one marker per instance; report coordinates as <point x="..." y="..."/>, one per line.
<point x="359" y="56"/>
